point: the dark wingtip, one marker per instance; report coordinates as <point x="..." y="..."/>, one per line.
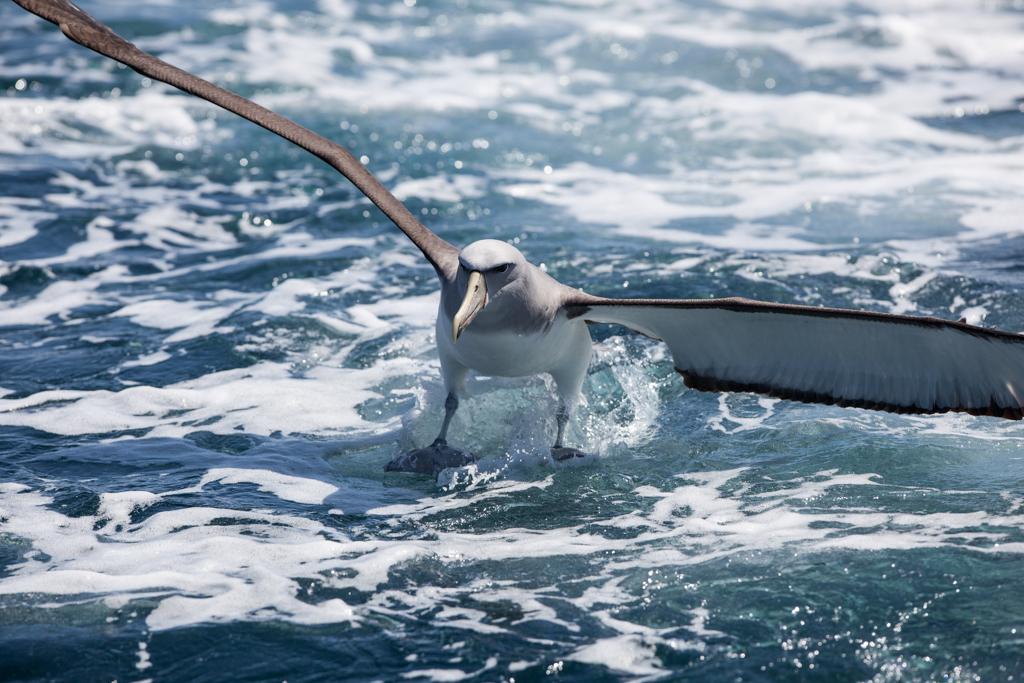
<point x="712" y="384"/>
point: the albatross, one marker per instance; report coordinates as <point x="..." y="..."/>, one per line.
<point x="500" y="315"/>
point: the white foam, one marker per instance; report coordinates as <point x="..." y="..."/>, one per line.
<point x="261" y="399"/>
<point x="441" y="188"/>
<point x="232" y="577"/>
<point x="973" y="315"/>
<point x="200" y="570"/>
<point x="52" y="126"/>
<point x="169" y="228"/>
<point x="57" y="299"/>
<point x="447" y="675"/>
<point x="286" y="487"/>
<point x="629" y="654"/>
<point x="147" y="359"/>
<point x="640" y="205"/>
<point x="195" y="318"/>
<point x="743" y="424"/>
<point x="18" y="221"/>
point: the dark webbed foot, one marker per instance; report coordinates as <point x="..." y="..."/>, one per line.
<point x="558" y="451"/>
<point x="431" y="460"/>
<point x="563" y="453"/>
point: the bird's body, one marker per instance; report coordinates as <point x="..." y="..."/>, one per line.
<point x="522" y="330"/>
<point x="561" y="350"/>
<point x="500" y="315"/>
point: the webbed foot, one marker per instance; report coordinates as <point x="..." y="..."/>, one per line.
<point x="431" y="460"/>
<point x="562" y="453"/>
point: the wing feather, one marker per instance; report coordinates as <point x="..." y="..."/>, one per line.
<point x="82" y="28"/>
<point x="901" y="364"/>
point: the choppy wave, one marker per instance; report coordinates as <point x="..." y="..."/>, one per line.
<point x="210" y="344"/>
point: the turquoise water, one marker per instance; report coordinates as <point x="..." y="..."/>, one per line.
<point x="210" y="345"/>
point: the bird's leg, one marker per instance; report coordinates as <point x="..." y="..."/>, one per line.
<point x="558" y="451"/>
<point x="561" y="419"/>
<point x="438" y="455"/>
<point x="451" y="404"/>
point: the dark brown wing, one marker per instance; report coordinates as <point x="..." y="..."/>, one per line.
<point x="897" y="363"/>
<point x="82" y="28"/>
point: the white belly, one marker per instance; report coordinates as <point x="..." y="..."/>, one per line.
<point x="563" y="349"/>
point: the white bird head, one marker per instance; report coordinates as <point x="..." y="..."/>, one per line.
<point x="491" y="257"/>
<point x="488" y="271"/>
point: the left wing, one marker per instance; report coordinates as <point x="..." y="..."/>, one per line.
<point x="82" y="28"/>
<point x="896" y="363"/>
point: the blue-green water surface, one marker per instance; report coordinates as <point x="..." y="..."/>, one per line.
<point x="210" y="344"/>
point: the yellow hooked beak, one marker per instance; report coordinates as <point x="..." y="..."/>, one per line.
<point x="476" y="299"/>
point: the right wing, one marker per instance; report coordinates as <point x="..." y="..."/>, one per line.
<point x="83" y="29"/>
<point x="896" y="363"/>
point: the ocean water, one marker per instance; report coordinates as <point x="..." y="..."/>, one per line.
<point x="211" y="344"/>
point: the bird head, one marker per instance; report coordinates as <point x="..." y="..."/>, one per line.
<point x="486" y="268"/>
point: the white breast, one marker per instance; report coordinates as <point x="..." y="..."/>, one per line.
<point x="509" y="354"/>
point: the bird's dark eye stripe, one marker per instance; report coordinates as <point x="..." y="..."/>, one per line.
<point x="501" y="268"/>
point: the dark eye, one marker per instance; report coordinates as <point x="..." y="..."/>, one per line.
<point x="501" y="269"/>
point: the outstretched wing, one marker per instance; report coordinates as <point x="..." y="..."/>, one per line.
<point x="82" y="28"/>
<point x="895" y="363"/>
